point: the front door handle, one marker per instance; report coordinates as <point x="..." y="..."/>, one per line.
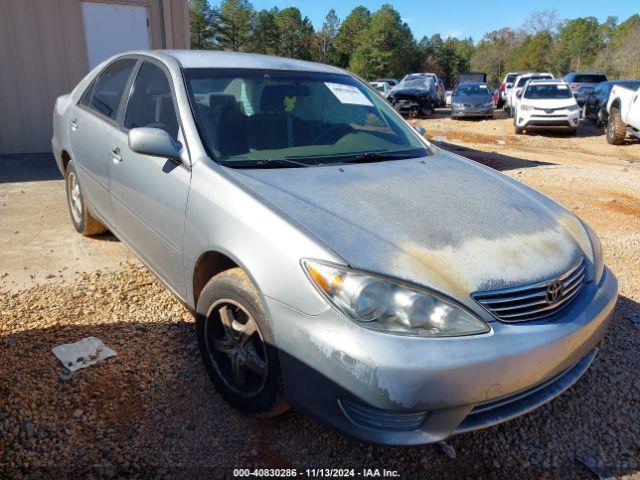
<point x="115" y="155"/>
<point x="74" y="124"/>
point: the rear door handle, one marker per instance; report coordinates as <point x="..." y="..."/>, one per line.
<point x="74" y="124"/>
<point x="115" y="155"/>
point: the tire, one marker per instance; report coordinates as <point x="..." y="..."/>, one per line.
<point x="572" y="131"/>
<point x="243" y="367"/>
<point x="616" y="129"/>
<point x="84" y="223"/>
<point x="600" y="119"/>
<point x="518" y="130"/>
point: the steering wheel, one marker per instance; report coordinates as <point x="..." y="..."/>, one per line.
<point x="343" y="127"/>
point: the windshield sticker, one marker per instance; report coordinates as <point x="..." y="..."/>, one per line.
<point x="348" y="94"/>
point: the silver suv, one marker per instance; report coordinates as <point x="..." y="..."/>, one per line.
<point x="334" y="259"/>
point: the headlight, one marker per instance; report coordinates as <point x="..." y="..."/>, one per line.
<point x="382" y="304"/>
<point x="596" y="246"/>
<point x="573" y="108"/>
<point x="526" y="108"/>
<point x="456" y="105"/>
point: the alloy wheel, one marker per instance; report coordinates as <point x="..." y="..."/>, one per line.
<point x="75" y="197"/>
<point x="236" y="348"/>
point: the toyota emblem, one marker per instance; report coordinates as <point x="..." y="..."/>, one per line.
<point x="554" y="292"/>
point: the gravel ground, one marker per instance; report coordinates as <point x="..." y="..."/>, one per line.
<point x="152" y="412"/>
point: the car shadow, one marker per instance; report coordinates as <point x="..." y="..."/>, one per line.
<point x="153" y="411"/>
<point x="497" y="161"/>
<point x="32" y="167"/>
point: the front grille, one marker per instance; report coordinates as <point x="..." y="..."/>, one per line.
<point x="536" y="300"/>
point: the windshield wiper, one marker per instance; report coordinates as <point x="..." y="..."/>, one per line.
<point x="379" y="157"/>
<point x="266" y="163"/>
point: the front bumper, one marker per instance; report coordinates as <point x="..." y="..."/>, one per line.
<point x="544" y="120"/>
<point x="400" y="390"/>
<point x="472" y="112"/>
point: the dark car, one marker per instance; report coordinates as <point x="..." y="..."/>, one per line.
<point x="596" y="102"/>
<point x="415" y="95"/>
<point x="472" y="99"/>
<point x="471" y="77"/>
<point x="583" y="83"/>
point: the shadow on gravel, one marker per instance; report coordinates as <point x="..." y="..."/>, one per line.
<point x="151" y="411"/>
<point x="497" y="161"/>
<point x="28" y="168"/>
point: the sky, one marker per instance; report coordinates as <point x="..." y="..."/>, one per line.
<point x="462" y="18"/>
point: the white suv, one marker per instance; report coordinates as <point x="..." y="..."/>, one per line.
<point x="513" y="97"/>
<point x="545" y="104"/>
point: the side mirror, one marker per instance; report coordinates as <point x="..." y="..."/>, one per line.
<point x="519" y="93"/>
<point x="153" y="141"/>
<point x="508" y="85"/>
<point x="420" y="130"/>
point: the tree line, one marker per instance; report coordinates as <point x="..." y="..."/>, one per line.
<point x="380" y="44"/>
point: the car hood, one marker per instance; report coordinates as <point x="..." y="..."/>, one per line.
<point x="542" y="104"/>
<point x="441" y="221"/>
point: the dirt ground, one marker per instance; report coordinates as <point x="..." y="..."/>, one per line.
<point x="152" y="412"/>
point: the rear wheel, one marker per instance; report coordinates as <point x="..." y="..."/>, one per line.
<point x="616" y="129"/>
<point x="600" y="119"/>
<point x="82" y="220"/>
<point x="518" y="130"/>
<point x="237" y="345"/>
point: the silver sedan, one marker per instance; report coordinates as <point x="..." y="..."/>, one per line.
<point x="334" y="259"/>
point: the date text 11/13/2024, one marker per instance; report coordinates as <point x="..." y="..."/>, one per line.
<point x="316" y="473"/>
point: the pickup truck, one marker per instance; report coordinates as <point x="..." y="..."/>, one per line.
<point x="624" y="114"/>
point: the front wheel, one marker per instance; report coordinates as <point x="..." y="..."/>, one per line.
<point x="237" y="345"/>
<point x="81" y="217"/>
<point x="616" y="129"/>
<point x="519" y="130"/>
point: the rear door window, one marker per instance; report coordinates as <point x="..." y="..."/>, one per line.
<point x="107" y="89"/>
<point x="151" y="102"/>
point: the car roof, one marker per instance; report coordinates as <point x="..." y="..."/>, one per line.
<point x="546" y="81"/>
<point x="218" y="59"/>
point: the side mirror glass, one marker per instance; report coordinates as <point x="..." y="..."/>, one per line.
<point x="508" y="85"/>
<point x="519" y="93"/>
<point x="153" y="141"/>
<point x="420" y="130"/>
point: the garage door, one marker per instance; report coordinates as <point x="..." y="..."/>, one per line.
<point x="112" y="28"/>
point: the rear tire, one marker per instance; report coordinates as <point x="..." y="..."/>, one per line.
<point x="518" y="130"/>
<point x="84" y="223"/>
<point x="237" y="345"/>
<point x="616" y="129"/>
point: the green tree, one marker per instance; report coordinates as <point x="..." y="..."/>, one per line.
<point x="387" y="46"/>
<point x="235" y="25"/>
<point x="349" y="34"/>
<point x="266" y="34"/>
<point x="296" y="34"/>
<point x="534" y="53"/>
<point x="579" y="41"/>
<point x="492" y="52"/>
<point x="326" y="38"/>
<point x="201" y="19"/>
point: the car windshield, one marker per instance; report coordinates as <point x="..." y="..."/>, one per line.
<point x="420" y="82"/>
<point x="589" y="78"/>
<point x="524" y="80"/>
<point x="467" y="90"/>
<point x="511" y="78"/>
<point x="258" y="118"/>
<point x="547" y="92"/>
